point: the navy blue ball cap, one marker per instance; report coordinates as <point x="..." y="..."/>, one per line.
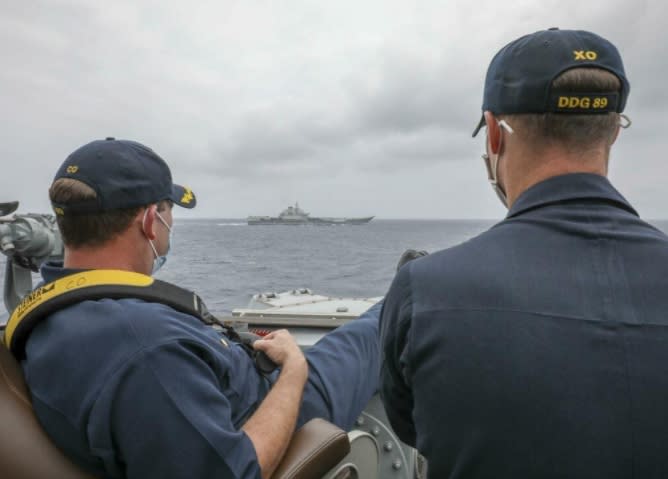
<point x="519" y="78"/>
<point x="124" y="174"/>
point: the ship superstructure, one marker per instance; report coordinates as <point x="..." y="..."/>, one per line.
<point x="294" y="215"/>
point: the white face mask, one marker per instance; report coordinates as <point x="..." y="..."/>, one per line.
<point x="159" y="260"/>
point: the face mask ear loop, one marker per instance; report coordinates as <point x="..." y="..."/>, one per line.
<point x="155" y="251"/>
<point x="506" y="126"/>
<point x="624" y="121"/>
<point x="169" y="228"/>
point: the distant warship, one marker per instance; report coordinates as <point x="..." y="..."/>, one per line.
<point x="294" y="215"/>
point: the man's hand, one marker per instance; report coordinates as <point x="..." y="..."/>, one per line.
<point x="282" y="348"/>
<point x="410" y="255"/>
<point x="271" y="426"/>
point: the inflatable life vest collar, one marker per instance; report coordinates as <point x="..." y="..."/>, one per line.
<point x="92" y="285"/>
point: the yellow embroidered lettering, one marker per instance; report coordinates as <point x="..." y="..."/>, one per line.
<point x="585" y="55"/>
<point x="585" y="102"/>
<point x="600" y="103"/>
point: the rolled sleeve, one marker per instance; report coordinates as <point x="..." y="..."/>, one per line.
<point x="164" y="415"/>
<point x="395" y="381"/>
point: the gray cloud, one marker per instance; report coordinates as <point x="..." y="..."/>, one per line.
<point x="403" y="110"/>
<point x="254" y="104"/>
<point x="413" y="94"/>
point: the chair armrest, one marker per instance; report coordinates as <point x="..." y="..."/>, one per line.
<point x="314" y="449"/>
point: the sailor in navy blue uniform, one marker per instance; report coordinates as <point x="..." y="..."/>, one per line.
<point x="129" y="388"/>
<point x="539" y="349"/>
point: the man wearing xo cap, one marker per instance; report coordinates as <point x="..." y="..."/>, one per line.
<point x="133" y="388"/>
<point x="540" y="347"/>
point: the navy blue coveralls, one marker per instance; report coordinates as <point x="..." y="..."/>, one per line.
<point x="131" y="389"/>
<point x="538" y="349"/>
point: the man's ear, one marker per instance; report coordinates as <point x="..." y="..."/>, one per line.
<point x="493" y="133"/>
<point x="147" y="218"/>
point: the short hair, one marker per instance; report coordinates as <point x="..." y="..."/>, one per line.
<point x="90" y="229"/>
<point x="572" y="131"/>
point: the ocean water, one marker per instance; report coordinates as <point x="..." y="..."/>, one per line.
<point x="226" y="262"/>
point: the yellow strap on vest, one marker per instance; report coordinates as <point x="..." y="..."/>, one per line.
<point x="68" y="286"/>
<point x="100" y="284"/>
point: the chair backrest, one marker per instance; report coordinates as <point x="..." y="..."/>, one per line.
<point x="26" y="452"/>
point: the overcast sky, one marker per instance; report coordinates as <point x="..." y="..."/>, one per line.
<point x="352" y="108"/>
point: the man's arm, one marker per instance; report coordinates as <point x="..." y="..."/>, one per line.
<point x="395" y="387"/>
<point x="271" y="426"/>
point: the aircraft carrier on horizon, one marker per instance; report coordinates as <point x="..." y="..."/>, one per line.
<point x="294" y="215"/>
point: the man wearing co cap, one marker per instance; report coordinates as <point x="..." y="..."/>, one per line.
<point x="132" y="388"/>
<point x="540" y="347"/>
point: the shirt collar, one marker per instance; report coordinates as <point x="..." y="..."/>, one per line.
<point x="53" y="270"/>
<point x="573" y="186"/>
